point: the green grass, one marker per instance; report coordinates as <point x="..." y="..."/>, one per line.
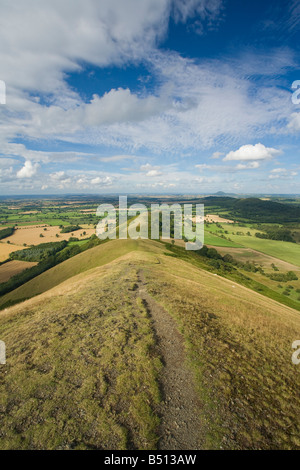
<point x="214" y="240"/>
<point x="80" y="242"/>
<point x="285" y="251"/>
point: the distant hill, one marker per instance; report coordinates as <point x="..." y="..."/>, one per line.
<point x="256" y="210"/>
<point x="266" y="211"/>
<point x="222" y="194"/>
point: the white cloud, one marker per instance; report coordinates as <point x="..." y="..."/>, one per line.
<point x="201" y="10"/>
<point x="28" y="171"/>
<point x="43" y="39"/>
<point x="151" y="171"/>
<point x="121" y="105"/>
<point x="7" y="162"/>
<point x="216" y="155"/>
<point x="248" y="166"/>
<point x="106" y="181"/>
<point x="195" y="105"/>
<point x="252" y="152"/>
<point x="282" y="173"/>
<point x="228" y="169"/>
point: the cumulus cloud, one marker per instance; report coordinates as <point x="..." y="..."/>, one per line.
<point x="194" y="105"/>
<point x="46" y="39"/>
<point x="106" y="181"/>
<point x="151" y="171"/>
<point x="252" y="152"/>
<point x="28" y="171"/>
<point x="121" y="105"/>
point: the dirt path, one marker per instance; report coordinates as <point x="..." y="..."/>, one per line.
<point x="180" y="424"/>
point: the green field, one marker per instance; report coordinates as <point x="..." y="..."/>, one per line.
<point x="286" y="251"/>
<point x="214" y="240"/>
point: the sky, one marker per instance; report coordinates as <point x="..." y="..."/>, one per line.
<point x="149" y="96"/>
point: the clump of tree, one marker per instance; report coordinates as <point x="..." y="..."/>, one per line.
<point x="248" y="266"/>
<point x="274" y="233"/>
<point x="6" y="232"/>
<point x="70" y="228"/>
<point x="38" y="253"/>
<point x="283" y="277"/>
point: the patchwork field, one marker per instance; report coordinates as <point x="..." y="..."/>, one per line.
<point x="266" y="261"/>
<point x="285" y="251"/>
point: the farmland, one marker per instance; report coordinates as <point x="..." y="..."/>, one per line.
<point x="266" y="263"/>
<point x="35" y="234"/>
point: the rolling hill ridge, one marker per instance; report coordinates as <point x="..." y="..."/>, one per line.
<point x="129" y="347"/>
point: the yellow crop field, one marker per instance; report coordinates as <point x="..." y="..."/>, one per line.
<point x="6" y="249"/>
<point x="31" y="235"/>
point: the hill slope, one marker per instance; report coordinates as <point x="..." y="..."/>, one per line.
<point x="148" y="351"/>
<point x="97" y="256"/>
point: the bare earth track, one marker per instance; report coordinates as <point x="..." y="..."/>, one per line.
<point x="180" y="424"/>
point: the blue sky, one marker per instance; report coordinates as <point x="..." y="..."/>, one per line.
<point x="149" y="96"/>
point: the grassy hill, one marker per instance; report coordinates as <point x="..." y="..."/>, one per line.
<point x="97" y="256"/>
<point x="87" y="359"/>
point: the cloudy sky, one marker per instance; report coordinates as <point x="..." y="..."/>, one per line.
<point x="149" y="96"/>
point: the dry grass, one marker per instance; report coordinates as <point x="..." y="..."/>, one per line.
<point x="217" y="219"/>
<point x="12" y="268"/>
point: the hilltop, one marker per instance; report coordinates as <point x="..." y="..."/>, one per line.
<point x="131" y="347"/>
